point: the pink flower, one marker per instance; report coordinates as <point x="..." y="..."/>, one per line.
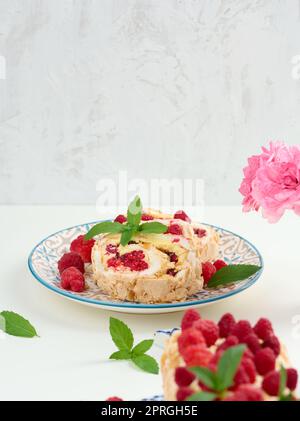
<point x="272" y="181"/>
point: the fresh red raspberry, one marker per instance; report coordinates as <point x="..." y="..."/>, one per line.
<point x="114" y="399"/>
<point x="242" y="329"/>
<point x="83" y="248"/>
<point x="229" y="342"/>
<point x="174" y="229"/>
<point x="248" y="354"/>
<point x="189" y="317"/>
<point x="264" y="361"/>
<point x="263" y="328"/>
<point x="183" y="393"/>
<point x="111" y="249"/>
<point x="208" y="270"/>
<point x="252" y="342"/>
<point x="292" y="378"/>
<point x="200" y="232"/>
<point x="226" y="324"/>
<point x="271" y="383"/>
<point x="215" y="359"/>
<point x="121" y="219"/>
<point x="183" y="377"/>
<point x="247" y="392"/>
<point x="273" y="343"/>
<point x="197" y="355"/>
<point x="72" y="279"/>
<point x="241" y="377"/>
<point x="68" y="260"/>
<point x="250" y="369"/>
<point x="209" y="330"/>
<point x="219" y="264"/>
<point x="182" y="215"/>
<point x="189" y="337"/>
<point x="147" y="217"/>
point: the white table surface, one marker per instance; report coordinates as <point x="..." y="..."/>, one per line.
<point x="70" y="359"/>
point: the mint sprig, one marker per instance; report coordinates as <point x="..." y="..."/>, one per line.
<point x="131" y="227"/>
<point x="222" y="379"/>
<point x="122" y="337"/>
<point x="232" y="273"/>
<point x="202" y="396"/>
<point x="14" y="324"/>
<point x="282" y="386"/>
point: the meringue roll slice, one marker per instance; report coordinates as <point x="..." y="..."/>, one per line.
<point x="155" y="268"/>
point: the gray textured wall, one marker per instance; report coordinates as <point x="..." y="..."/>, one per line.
<point x="163" y="88"/>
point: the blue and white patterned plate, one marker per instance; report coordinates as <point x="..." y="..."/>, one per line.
<point x="43" y="260"/>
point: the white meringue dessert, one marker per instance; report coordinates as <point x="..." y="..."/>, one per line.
<point x="155" y="268"/>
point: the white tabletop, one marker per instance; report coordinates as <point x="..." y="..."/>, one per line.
<point x="70" y="359"/>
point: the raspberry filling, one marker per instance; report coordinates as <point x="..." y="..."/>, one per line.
<point x="174" y="229"/>
<point x="173" y="257"/>
<point x="133" y="260"/>
<point x="121" y="219"/>
<point x="182" y="215"/>
<point x="200" y="232"/>
<point x="146" y="217"/>
<point x="171" y="272"/>
<point x="112" y="249"/>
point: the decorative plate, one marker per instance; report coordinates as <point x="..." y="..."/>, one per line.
<point x="43" y="260"/>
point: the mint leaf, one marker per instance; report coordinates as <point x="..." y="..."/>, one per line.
<point x="121" y="355"/>
<point x="282" y="384"/>
<point x="142" y="347"/>
<point x="232" y="273"/>
<point x="16" y="325"/>
<point x="153" y="227"/>
<point x="120" y="334"/>
<point x="146" y="363"/>
<point x="104" y="227"/>
<point x="228" y="365"/>
<point x="202" y="396"/>
<point x="126" y="237"/>
<point x="206" y="376"/>
<point x="123" y="338"/>
<point x="2" y="323"/>
<point x="134" y="212"/>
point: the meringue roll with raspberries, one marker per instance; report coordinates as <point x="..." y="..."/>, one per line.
<point x="155" y="268"/>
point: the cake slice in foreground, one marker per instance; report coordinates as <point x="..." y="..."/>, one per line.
<point x="195" y="362"/>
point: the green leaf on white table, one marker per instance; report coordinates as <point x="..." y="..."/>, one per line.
<point x="121" y="355"/>
<point x="2" y="323"/>
<point x="146" y="363"/>
<point x="16" y="325"/>
<point x="142" y="347"/>
<point x="123" y="339"/>
<point x="232" y="273"/>
<point x="120" y="334"/>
